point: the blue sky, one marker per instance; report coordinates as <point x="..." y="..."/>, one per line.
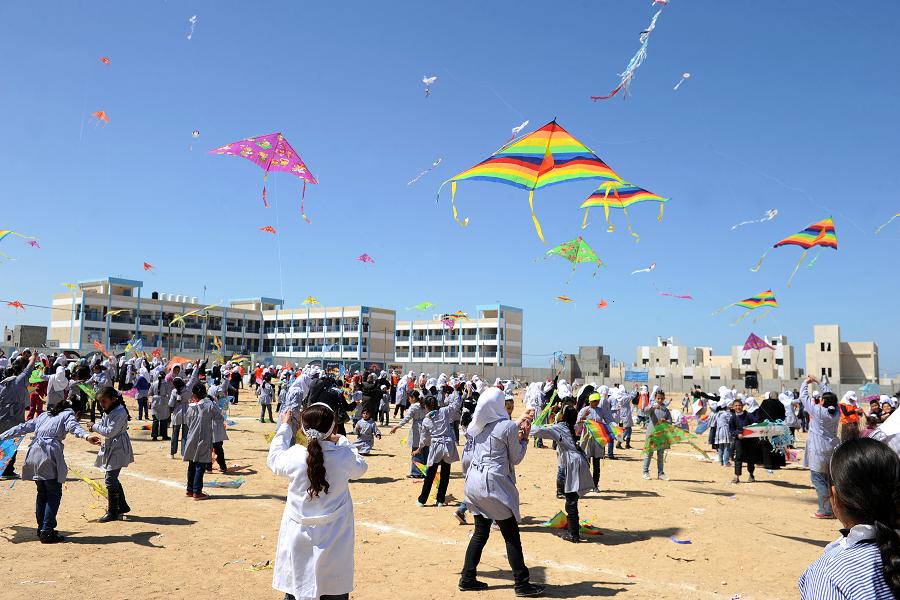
<point x="791" y="105"/>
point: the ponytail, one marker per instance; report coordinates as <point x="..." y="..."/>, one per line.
<point x="59" y="407"/>
<point x="317" y="419"/>
<point x="889" y="545"/>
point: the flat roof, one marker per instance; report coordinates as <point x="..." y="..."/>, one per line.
<point x="114" y="281"/>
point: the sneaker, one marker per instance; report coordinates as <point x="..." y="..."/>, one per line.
<point x="419" y="504"/>
<point x="188" y="493"/>
<point x="560" y="496"/>
<point x="153" y="439"/>
<point x="440" y="504"/>
<point x="735" y="479"/>
<point x="50" y="536"/>
<point x="662" y="477"/>
<point x="461" y="517"/>
<point x="529" y="590"/>
<point x="819" y="515"/>
<point x="646" y="475"/>
<point x="201" y="496"/>
<point x="568" y="537"/>
<point x="472" y="586"/>
<point x="751" y="479"/>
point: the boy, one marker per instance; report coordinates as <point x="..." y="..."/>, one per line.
<point x="658" y="413"/>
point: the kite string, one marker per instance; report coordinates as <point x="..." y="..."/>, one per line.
<point x="278" y="238"/>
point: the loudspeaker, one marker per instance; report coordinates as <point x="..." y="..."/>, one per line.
<point x="750" y="380"/>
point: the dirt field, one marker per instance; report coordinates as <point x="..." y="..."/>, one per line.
<point x="749" y="540"/>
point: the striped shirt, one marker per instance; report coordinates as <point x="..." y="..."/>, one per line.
<point x="850" y="568"/>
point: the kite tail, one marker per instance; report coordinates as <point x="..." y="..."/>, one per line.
<point x="584" y="223"/>
<point x="611" y="94"/>
<point x="636" y="237"/>
<point x="877" y="231"/>
<point x="609" y="226"/>
<point x="662" y="206"/>
<point x="265" y="204"/>
<point x="759" y="264"/>
<point x="537" y="224"/>
<point x="799" y="262"/>
<point x="763" y="315"/>
<point x="721" y="310"/>
<point x="700" y="450"/>
<point x="813" y="261"/>
<point x="303" y="204"/>
<point x="464" y="222"/>
<point x="97" y="488"/>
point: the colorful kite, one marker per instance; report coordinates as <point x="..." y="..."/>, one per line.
<point x="602" y="433"/>
<point x="636" y="61"/>
<point x="7" y="232"/>
<point x="577" y="251"/>
<point x="449" y="323"/>
<point x="602" y="304"/>
<point x="766" y="298"/>
<point x="428" y="81"/>
<point x="620" y="194"/>
<point x="16" y="304"/>
<point x="665" y="435"/>
<point x="181" y="318"/>
<point x="8" y="449"/>
<point x="157" y="352"/>
<point x="542" y="158"/>
<point x="565" y="299"/>
<point x="754" y="342"/>
<point x="647" y="270"/>
<point x="272" y="152"/>
<point x="101" y="116"/>
<point x="311" y="300"/>
<point x="770" y="214"/>
<point x="99" y="347"/>
<point x="147" y="266"/>
<point x="560" y="521"/>
<point x="91" y="392"/>
<point x="425" y="172"/>
<point x="268" y="229"/>
<point x="118" y="311"/>
<point x="684" y="77"/>
<point x="135" y="345"/>
<point x="671" y="295"/>
<point x="421" y="306"/>
<point x="33" y="243"/>
<point x="365" y="258"/>
<point x="877" y="231"/>
<point x="818" y="234"/>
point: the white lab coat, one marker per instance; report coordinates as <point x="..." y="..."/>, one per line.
<point x="314" y="555"/>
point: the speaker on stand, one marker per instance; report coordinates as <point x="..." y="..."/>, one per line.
<point x="750" y="380"/>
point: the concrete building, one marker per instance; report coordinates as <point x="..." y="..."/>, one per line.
<point x="25" y="336"/>
<point x="842" y="362"/>
<point x="769" y="363"/>
<point x="492" y="337"/>
<point x="589" y="362"/>
<point x="665" y="355"/>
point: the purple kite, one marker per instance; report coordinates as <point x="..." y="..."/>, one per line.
<point x="272" y="152"/>
<point x="365" y="258"/>
<point x="754" y="342"/>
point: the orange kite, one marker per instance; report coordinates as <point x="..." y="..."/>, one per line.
<point x="101" y="116"/>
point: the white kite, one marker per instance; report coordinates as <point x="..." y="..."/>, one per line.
<point x="425" y="172"/>
<point x="193" y="22"/>
<point x="517" y="130"/>
<point x="770" y="214"/>
<point x="683" y="77"/>
<point x="428" y="81"/>
<point x="647" y="270"/>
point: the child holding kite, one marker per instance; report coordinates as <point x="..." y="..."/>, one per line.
<point x="437" y="433"/>
<point x="115" y="453"/>
<point x="592" y="449"/>
<point x="45" y="463"/>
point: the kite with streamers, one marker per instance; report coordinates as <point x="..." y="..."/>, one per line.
<point x="877" y="231"/>
<point x="97" y="489"/>
<point x="684" y="77"/>
<point x="148" y="266"/>
<point x="817" y="234"/>
<point x="311" y="301"/>
<point x="766" y="298"/>
<point x="547" y="156"/>
<point x="775" y="432"/>
<point x="193" y="23"/>
<point x="636" y="61"/>
<point x="665" y="435"/>
<point x="679" y="296"/>
<point x="268" y="229"/>
<point x="425" y="172"/>
<point x="542" y="417"/>
<point x="16" y="304"/>
<point x="517" y="130"/>
<point x="620" y="194"/>
<point x="754" y="342"/>
<point x="181" y="318"/>
<point x="449" y="320"/>
<point x="135" y="344"/>
<point x="101" y="116"/>
<point x="4" y="233"/>
<point x="647" y="270"/>
<point x="91" y="392"/>
<point x="118" y="311"/>
<point x="770" y="214"/>
<point x="8" y="449"/>
<point x="565" y="299"/>
<point x="365" y="258"/>
<point x="420" y="306"/>
<point x="428" y="81"/>
<point x="560" y="521"/>
<point x="577" y="251"/>
<point x="272" y="153"/>
<point x="602" y="433"/>
<point x="33" y="243"/>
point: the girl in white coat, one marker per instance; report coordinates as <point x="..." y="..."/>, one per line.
<point x="314" y="557"/>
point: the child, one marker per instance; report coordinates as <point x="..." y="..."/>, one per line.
<point x="36" y="405"/>
<point x="366" y="432"/>
<point x="178" y="403"/>
<point x="871" y="425"/>
<point x="465" y="419"/>
<point x="865" y="561"/>
<point x="357" y="398"/>
<point x="142" y="385"/>
<point x="159" y="408"/>
<point x="219" y="432"/>
<point x="384" y="408"/>
<point x="115" y="453"/>
<point x="45" y="463"/>
<point x="746" y="450"/>
<point x="592" y="449"/>
<point x="415" y="413"/>
<point x="572" y="460"/>
<point x="266" y="392"/>
<point x="437" y="434"/>
<point x="201" y="413"/>
<point x="314" y="557"/>
<point x="658" y="413"/>
<point x="724" y="438"/>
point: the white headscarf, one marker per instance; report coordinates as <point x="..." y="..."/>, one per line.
<point x="565" y="390"/>
<point x="58" y="381"/>
<point x="490" y="408"/>
<point x="751" y="405"/>
<point x="850" y="398"/>
<point x="603" y="391"/>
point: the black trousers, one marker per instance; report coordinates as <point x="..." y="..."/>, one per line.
<point x="442" y="484"/>
<point x="159" y="428"/>
<point x="402" y="409"/>
<point x="595" y="465"/>
<point x="740" y="455"/>
<point x="9" y="471"/>
<point x="572" y="511"/>
<point x="510" y="531"/>
<point x="219" y="448"/>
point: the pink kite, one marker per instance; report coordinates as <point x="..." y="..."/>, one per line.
<point x="754" y="342"/>
<point x="33" y="243"/>
<point x="272" y="153"/>
<point x="365" y="258"/>
<point x="671" y="295"/>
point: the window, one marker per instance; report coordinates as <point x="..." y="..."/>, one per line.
<point x="829" y="371"/>
<point x="745" y="361"/>
<point x="822" y="346"/>
<point x="765" y="360"/>
<point x="673" y="361"/>
<point x="645" y="361"/>
<point x="829" y="346"/>
<point x="779" y="361"/>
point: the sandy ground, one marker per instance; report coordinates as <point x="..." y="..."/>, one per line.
<point x="749" y="540"/>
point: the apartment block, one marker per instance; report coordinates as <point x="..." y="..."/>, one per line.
<point x="842" y="362"/>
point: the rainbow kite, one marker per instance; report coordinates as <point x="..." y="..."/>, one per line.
<point x="602" y="433"/>
<point x="818" y="234"/>
<point x="542" y="158"/>
<point x="620" y="194"/>
<point x="766" y="298"/>
<point x="560" y="521"/>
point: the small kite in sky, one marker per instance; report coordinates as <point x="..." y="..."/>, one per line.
<point x="16" y="304"/>
<point x="147" y="266"/>
<point x="663" y="2"/>
<point x="70" y="286"/>
<point x="770" y="214"/>
<point x="311" y="300"/>
<point x="564" y="299"/>
<point x="636" y="61"/>
<point x="365" y="258"/>
<point x="877" y="231"/>
<point x="647" y="270"/>
<point x="684" y="76"/>
<point x="425" y="172"/>
<point x="517" y="130"/>
<point x="817" y="234"/>
<point x="100" y="115"/>
<point x="268" y="229"/>
<point x="680" y="297"/>
<point x="766" y="298"/>
<point x="118" y="311"/>
<point x="421" y="306"/>
<point x="33" y="243"/>
<point x="602" y="304"/>
<point x="754" y="342"/>
<point x="194" y="135"/>
<point x="193" y="22"/>
<point x="577" y="251"/>
<point x="104" y="60"/>
<point x="428" y="81"/>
